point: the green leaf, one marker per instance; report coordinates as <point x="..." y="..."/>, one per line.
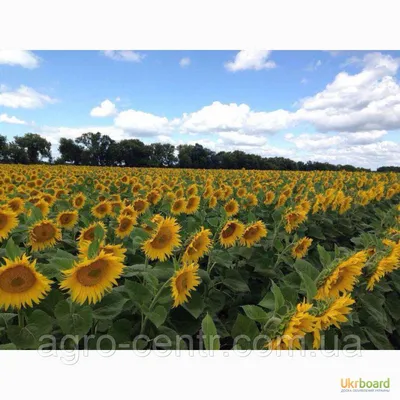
<point x="12" y="250"/>
<point x="134" y="270"/>
<point x="210" y="335"/>
<point x="121" y="331"/>
<point x="235" y="282"/>
<point x="31" y="336"/>
<point x="244" y="332"/>
<point x="309" y="284"/>
<point x="256" y="313"/>
<point x="378" y="338"/>
<point x="8" y="346"/>
<point x="110" y="306"/>
<point x="73" y="319"/>
<point x="278" y="296"/>
<point x="157" y="316"/>
<point x="6" y="317"/>
<point x="324" y="256"/>
<point x="268" y="301"/>
<point x="195" y="305"/>
<point x="137" y="292"/>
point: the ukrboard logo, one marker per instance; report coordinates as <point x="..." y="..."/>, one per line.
<point x="361" y="385"/>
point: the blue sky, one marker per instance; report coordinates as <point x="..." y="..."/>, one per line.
<point x="341" y="107"/>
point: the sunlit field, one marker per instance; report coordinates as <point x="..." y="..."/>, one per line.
<point x="215" y="259"/>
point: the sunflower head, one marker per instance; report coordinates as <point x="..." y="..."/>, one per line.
<point x="253" y="234"/>
<point x="67" y="219"/>
<point x="192" y="204"/>
<point x="88" y="280"/>
<point x="183" y="282"/>
<point x="44" y="234"/>
<point x="198" y="246"/>
<point x="8" y="221"/>
<point x="20" y="284"/>
<point x="17" y="205"/>
<point x="165" y="238"/>
<point x="301" y="247"/>
<point x="231" y="207"/>
<point x="88" y="234"/>
<point x="102" y="209"/>
<point x="178" y="206"/>
<point x="125" y="226"/>
<point x="140" y="205"/>
<point x="230" y="233"/>
<point x="79" y="200"/>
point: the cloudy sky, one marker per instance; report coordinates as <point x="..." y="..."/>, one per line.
<point x="340" y="107"/>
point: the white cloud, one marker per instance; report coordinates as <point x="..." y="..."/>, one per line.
<point x="238" y="139"/>
<point x="219" y="117"/>
<point x="24" y="97"/>
<point x="125" y="55"/>
<point x="184" y="62"/>
<point x="313" y="66"/>
<point x="106" y="109"/>
<point x="251" y="59"/>
<point x="368" y="100"/>
<point x="304" y="81"/>
<point x="23" y="58"/>
<point x="142" y="124"/>
<point x="11" y="120"/>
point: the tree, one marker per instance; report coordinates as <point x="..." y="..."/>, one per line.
<point x="98" y="149"/>
<point x="3" y="149"/>
<point x="162" y="155"/>
<point x="132" y="153"/>
<point x="34" y="146"/>
<point x="70" y="151"/>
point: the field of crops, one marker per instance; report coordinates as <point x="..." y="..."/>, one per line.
<point x="217" y="259"/>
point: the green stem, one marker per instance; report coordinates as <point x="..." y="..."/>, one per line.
<point x="153" y="303"/>
<point x="20" y="318"/>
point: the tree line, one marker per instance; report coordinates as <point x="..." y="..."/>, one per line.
<point x="96" y="149"/>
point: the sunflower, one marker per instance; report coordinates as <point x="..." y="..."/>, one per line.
<point x="300" y="248"/>
<point x="17" y="205"/>
<point x="125" y="226"/>
<point x="67" y="219"/>
<point x="294" y="218"/>
<point x="21" y="284"/>
<point x="231" y="208"/>
<point x="269" y="197"/>
<point x="298" y="325"/>
<point x="102" y="209"/>
<point x="129" y="211"/>
<point x="198" y="246"/>
<point x="44" y="234"/>
<point x="183" y="282"/>
<point x="385" y="266"/>
<point x="164" y="240"/>
<point x="8" y="221"/>
<point x="230" y="233"/>
<point x="87" y="234"/>
<point x="153" y="197"/>
<point x="178" y="206"/>
<point x="253" y="234"/>
<point x="43" y="206"/>
<point x="192" y="204"/>
<point x="334" y="314"/>
<point x="79" y="201"/>
<point x="212" y="202"/>
<point x="250" y="201"/>
<point x="342" y="277"/>
<point x="116" y="250"/>
<point x="88" y="280"/>
<point x="140" y="205"/>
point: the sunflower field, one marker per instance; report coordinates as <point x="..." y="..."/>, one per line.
<point x="146" y="258"/>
